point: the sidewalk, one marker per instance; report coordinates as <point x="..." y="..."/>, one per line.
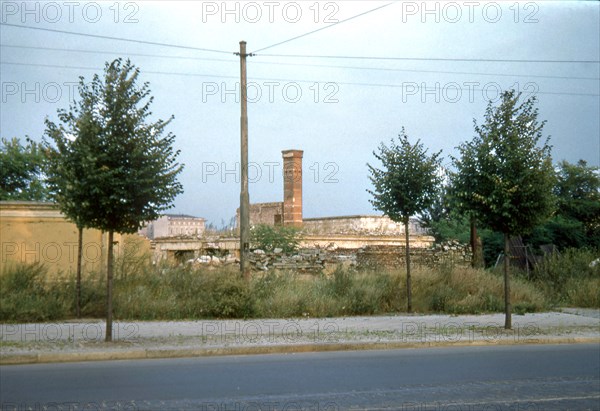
<point x="83" y="340"/>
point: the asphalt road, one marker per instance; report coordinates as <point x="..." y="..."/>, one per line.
<point x="533" y="377"/>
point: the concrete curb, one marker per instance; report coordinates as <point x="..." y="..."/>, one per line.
<point x="156" y="353"/>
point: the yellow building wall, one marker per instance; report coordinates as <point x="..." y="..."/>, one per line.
<point x="38" y="232"/>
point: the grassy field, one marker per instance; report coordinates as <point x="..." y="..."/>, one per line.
<point x="146" y="292"/>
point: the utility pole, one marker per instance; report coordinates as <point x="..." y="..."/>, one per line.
<point x="244" y="196"/>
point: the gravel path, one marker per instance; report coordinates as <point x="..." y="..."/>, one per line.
<point x="84" y="339"/>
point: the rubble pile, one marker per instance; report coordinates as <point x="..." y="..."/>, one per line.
<point x="319" y="259"/>
<point x="304" y="260"/>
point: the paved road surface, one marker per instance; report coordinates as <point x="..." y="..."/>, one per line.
<point x="548" y="377"/>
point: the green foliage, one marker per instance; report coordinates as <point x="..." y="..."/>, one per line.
<point x="504" y="177"/>
<point x="22" y="171"/>
<point x="408" y="181"/>
<point x="26" y="297"/>
<point x="131" y="257"/>
<point x="112" y="168"/>
<point x="576" y="222"/>
<point x="557" y="268"/>
<point x="493" y="245"/>
<point x="451" y="227"/>
<point x="578" y="192"/>
<point x="442" y="221"/>
<point x="268" y="238"/>
<point x="167" y="292"/>
<point x="561" y="232"/>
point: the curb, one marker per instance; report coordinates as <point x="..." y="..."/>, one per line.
<point x="157" y="353"/>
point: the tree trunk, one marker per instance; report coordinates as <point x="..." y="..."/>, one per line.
<point x="79" y="257"/>
<point x="507" y="307"/>
<point x="476" y="251"/>
<point x="408" y="282"/>
<point x="109" y="284"/>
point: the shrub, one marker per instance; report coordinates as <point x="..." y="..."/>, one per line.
<point x="25" y="296"/>
<point x="569" y="279"/>
<point x="268" y="237"/>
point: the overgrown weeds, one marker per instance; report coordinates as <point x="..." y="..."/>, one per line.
<point x="168" y="292"/>
<point x="571" y="278"/>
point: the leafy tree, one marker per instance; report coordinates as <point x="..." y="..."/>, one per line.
<point x="406" y="185"/>
<point x="130" y="171"/>
<point x="578" y="193"/>
<point x="22" y="171"/>
<point x="503" y="177"/>
<point x="69" y="172"/>
<point x="576" y="222"/>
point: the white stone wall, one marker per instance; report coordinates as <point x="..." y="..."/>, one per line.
<point x="360" y="224"/>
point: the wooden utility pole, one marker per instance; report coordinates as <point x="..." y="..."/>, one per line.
<point x="244" y="196"/>
<point x="507" y="306"/>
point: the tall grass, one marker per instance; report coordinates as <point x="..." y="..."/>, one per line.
<point x="570" y="279"/>
<point x="26" y="296"/>
<point x="183" y="292"/>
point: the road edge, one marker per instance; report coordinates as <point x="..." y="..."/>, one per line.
<point x="158" y="353"/>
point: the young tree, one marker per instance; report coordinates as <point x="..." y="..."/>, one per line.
<point x="68" y="174"/>
<point x="129" y="170"/>
<point x="22" y="171"/>
<point x="504" y="178"/>
<point x="406" y="185"/>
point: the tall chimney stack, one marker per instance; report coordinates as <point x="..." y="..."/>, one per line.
<point x="292" y="187"/>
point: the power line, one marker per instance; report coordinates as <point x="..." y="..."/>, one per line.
<point x="298" y="81"/>
<point x="118" y="52"/>
<point x="303" y="64"/>
<point x="322" y="28"/>
<point x="305" y="55"/>
<point x="96" y="68"/>
<point x="116" y="38"/>
<point x="429" y="59"/>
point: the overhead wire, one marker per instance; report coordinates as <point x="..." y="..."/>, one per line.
<point x="403" y="86"/>
<point x="301" y="64"/>
<point x="321" y="28"/>
<point x="153" y="43"/>
<point x="307" y="55"/>
<point x="470" y="60"/>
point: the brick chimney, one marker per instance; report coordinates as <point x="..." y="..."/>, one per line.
<point x="292" y="187"/>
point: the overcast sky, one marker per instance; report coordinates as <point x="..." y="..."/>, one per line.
<point x="433" y="76"/>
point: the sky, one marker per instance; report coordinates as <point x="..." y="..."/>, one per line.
<point x="351" y="76"/>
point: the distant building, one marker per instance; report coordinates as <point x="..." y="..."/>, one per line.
<point x="174" y="225"/>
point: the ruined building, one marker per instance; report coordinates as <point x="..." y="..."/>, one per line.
<point x="289" y="211"/>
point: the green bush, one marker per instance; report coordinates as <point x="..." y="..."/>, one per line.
<point x="569" y="279"/>
<point x="268" y="238"/>
<point x="25" y="295"/>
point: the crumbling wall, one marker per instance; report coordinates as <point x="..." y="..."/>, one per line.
<point x="369" y="257"/>
<point x="263" y="213"/>
<point x="394" y="256"/>
<point x="360" y="225"/>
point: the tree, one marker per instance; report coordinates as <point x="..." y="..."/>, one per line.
<point x="406" y="185"/>
<point x="576" y="222"/>
<point x="578" y="193"/>
<point x="503" y="177"/>
<point x="129" y="168"/>
<point x="22" y="171"/>
<point x="69" y="173"/>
